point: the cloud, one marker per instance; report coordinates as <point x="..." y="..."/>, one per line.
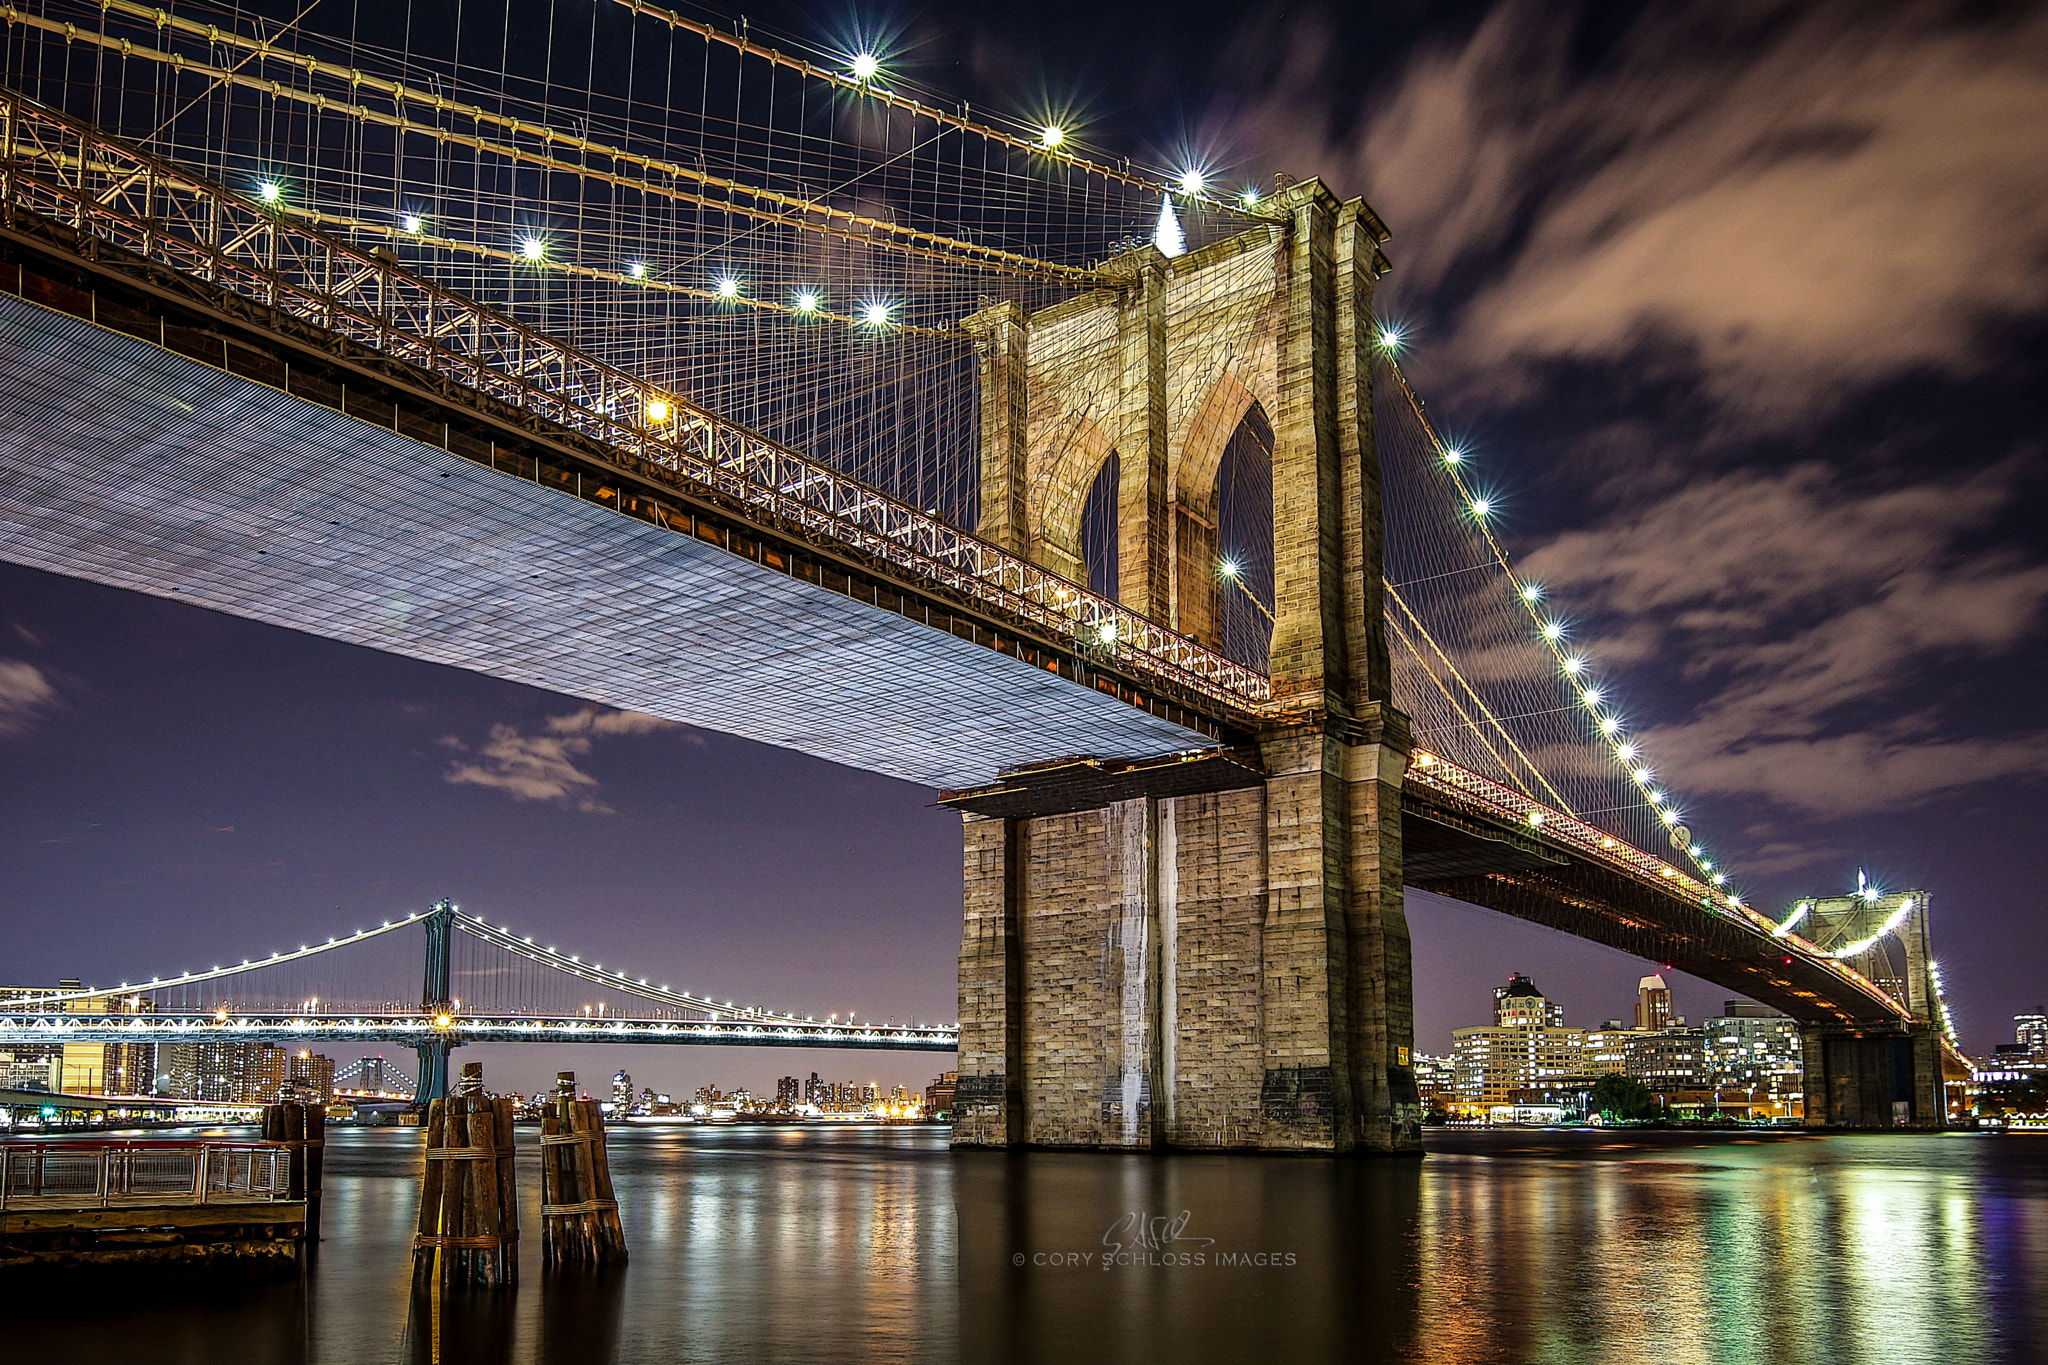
<point x="1797" y="601"/>
<point x="26" y="695"/>
<point x="1780" y="204"/>
<point x="1774" y="856"/>
<point x="543" y="767"/>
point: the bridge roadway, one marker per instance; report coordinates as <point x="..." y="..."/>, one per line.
<point x="175" y="437"/>
<point x="415" y="1029"/>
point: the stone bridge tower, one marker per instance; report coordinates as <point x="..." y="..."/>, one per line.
<point x="1225" y="968"/>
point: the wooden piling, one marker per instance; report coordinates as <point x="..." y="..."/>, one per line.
<point x="301" y="1129"/>
<point x="469" y="1199"/>
<point x="579" y="1213"/>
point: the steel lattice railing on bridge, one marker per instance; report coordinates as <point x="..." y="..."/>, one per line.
<point x="1489" y="798"/>
<point x="71" y="174"/>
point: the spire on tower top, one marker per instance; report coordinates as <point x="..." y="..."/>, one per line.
<point x="1168" y="237"/>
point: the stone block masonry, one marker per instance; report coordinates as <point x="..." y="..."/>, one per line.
<point x="1193" y="972"/>
<point x="1227" y="969"/>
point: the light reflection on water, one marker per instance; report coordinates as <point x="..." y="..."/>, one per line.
<point x="879" y="1244"/>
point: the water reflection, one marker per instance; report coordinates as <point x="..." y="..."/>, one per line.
<point x="880" y="1244"/>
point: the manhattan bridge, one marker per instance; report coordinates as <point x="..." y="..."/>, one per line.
<point x="639" y="359"/>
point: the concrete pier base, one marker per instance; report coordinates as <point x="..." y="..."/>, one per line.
<point x="1865" y="1079"/>
<point x="1224" y="969"/>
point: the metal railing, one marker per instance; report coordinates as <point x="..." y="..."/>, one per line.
<point x="74" y="175"/>
<point x="104" y="1175"/>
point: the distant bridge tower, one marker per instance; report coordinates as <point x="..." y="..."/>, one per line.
<point x="435" y="1002"/>
<point x="1877" y="1077"/>
<point x="1189" y="955"/>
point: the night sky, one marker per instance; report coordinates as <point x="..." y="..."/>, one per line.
<point x="1742" y="309"/>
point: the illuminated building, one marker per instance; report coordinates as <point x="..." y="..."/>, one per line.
<point x="309" y="1076"/>
<point x="1607" y="1048"/>
<point x="84" y="1068"/>
<point x="281" y="1074"/>
<point x="1670" y="1060"/>
<point x="2030" y="1031"/>
<point x="30" y="1066"/>
<point x="1755" y="1048"/>
<point x="1436" y="1080"/>
<point x="622" y="1093"/>
<point x="938" y="1096"/>
<point x="1527" y="1046"/>
<point x="1520" y="1005"/>
<point x="1653" y="1005"/>
<point x="216" y="1072"/>
<point x="1492" y="1063"/>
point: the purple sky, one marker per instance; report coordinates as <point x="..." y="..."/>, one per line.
<point x="1741" y="310"/>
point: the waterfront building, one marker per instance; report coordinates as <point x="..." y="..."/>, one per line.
<point x="309" y="1077"/>
<point x="1755" y="1048"/>
<point x="129" y="1068"/>
<point x="789" y="1094"/>
<point x="938" y="1096"/>
<point x="1436" y="1082"/>
<point x="1607" y="1048"/>
<point x="216" y="1072"/>
<point x="30" y="1066"/>
<point x="1670" y="1060"/>
<point x="1490" y="1064"/>
<point x="281" y="1074"/>
<point x="88" y="1068"/>
<point x="1526" y="1046"/>
<point x="622" y="1093"/>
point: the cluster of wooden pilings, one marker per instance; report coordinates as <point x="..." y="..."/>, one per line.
<point x="301" y="1129"/>
<point x="469" y="1204"/>
<point x="579" y="1215"/>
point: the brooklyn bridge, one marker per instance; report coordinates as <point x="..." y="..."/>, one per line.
<point x="1094" y="497"/>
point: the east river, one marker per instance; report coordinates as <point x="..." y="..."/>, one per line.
<point x="879" y="1244"/>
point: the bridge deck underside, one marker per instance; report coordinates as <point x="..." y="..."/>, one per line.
<point x="1592" y="901"/>
<point x="126" y="464"/>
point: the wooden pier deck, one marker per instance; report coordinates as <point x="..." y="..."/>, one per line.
<point x="195" y="1203"/>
